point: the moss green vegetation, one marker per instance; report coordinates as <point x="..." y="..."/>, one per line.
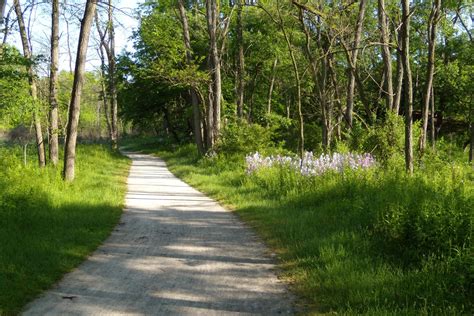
<point x="47" y="227"/>
<point x="375" y="243"/>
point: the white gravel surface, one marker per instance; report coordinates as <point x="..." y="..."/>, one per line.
<point x="175" y="252"/>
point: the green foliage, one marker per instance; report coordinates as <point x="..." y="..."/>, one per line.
<point x="16" y="103"/>
<point x="48" y="227"/>
<point x="242" y="138"/>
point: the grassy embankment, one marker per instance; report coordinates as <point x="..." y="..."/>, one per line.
<point x="375" y="243"/>
<point x="47" y="227"/>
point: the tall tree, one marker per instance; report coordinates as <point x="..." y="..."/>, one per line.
<point x="215" y="86"/>
<point x="432" y="25"/>
<point x="53" y="84"/>
<point x="192" y="91"/>
<point x="240" y="62"/>
<point x="112" y="78"/>
<point x="353" y="62"/>
<point x="75" y="104"/>
<point x="107" y="42"/>
<point x="32" y="80"/>
<point x="408" y="85"/>
<point x="386" y="54"/>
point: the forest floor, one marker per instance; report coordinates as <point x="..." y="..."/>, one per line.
<point x="175" y="251"/>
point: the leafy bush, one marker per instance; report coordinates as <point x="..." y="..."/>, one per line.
<point x="242" y="138"/>
<point x="385" y="141"/>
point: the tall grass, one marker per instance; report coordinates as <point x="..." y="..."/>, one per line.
<point x="373" y="242"/>
<point x="47" y="227"/>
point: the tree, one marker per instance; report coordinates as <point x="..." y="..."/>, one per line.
<point x="408" y="85"/>
<point x="53" y="85"/>
<point x="75" y="105"/>
<point x="386" y="54"/>
<point x="240" y="62"/>
<point x="432" y="24"/>
<point x="352" y="60"/>
<point x="107" y="41"/>
<point x="215" y="86"/>
<point x="32" y="81"/>
<point x="3" y="4"/>
<point x="192" y="91"/>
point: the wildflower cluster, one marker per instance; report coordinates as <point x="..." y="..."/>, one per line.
<point x="310" y="165"/>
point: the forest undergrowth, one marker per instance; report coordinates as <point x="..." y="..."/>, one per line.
<point x="47" y="226"/>
<point x="374" y="241"/>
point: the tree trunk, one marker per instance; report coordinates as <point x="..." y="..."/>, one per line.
<point x="32" y="81"/>
<point x="353" y="63"/>
<point x="397" y="98"/>
<point x="240" y="62"/>
<point x="386" y="55"/>
<point x="433" y="128"/>
<point x="104" y="90"/>
<point x="6" y="28"/>
<point x="432" y="24"/>
<point x="3" y="4"/>
<point x="408" y="85"/>
<point x="471" y="147"/>
<point x="192" y="91"/>
<point x="75" y="105"/>
<point x="471" y="123"/>
<point x="210" y="118"/>
<point x="112" y="79"/>
<point x="212" y="16"/>
<point x="272" y="84"/>
<point x="53" y="85"/>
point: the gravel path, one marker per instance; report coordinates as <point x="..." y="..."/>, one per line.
<point x="175" y="251"/>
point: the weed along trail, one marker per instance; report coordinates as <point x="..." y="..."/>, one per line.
<point x="175" y="251"/>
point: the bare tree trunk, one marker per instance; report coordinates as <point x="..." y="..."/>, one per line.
<point x="408" y="85"/>
<point x="75" y="105"/>
<point x="6" y="28"/>
<point x="386" y="55"/>
<point x="240" y="62"/>
<point x="215" y="67"/>
<point x="397" y="98"/>
<point x="3" y="4"/>
<point x="471" y="147"/>
<point x="192" y="91"/>
<point x="432" y="24"/>
<point x="433" y="128"/>
<point x="105" y="98"/>
<point x="109" y="46"/>
<point x="32" y="81"/>
<point x="471" y="123"/>
<point x="272" y="84"/>
<point x="210" y="118"/>
<point x="68" y="41"/>
<point x="53" y="85"/>
<point x="112" y="79"/>
<point x="353" y="63"/>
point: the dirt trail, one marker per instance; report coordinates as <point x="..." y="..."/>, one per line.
<point x="175" y="251"/>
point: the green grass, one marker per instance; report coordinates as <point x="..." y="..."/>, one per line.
<point x="377" y="243"/>
<point x="47" y="227"/>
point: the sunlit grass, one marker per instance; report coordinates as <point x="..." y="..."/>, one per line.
<point x="339" y="250"/>
<point x="47" y="227"/>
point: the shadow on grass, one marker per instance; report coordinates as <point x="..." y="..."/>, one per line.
<point x="40" y="242"/>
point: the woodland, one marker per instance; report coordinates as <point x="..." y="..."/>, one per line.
<point x="342" y="131"/>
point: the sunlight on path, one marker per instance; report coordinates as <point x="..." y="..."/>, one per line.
<point x="175" y="251"/>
